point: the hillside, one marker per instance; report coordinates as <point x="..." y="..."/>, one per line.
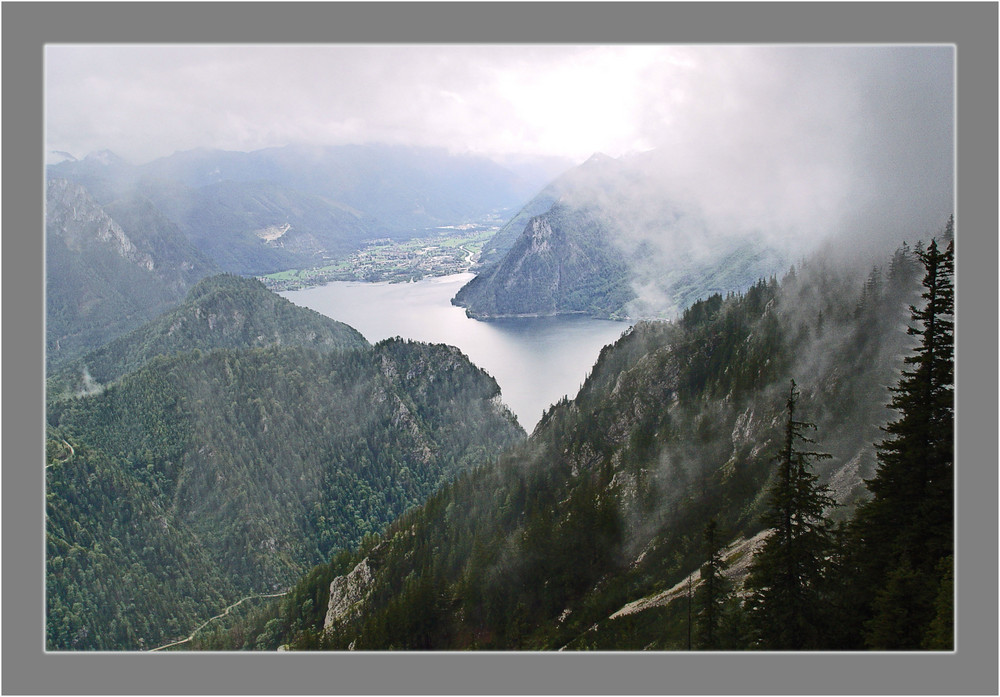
<point x="598" y="169"/>
<point x="564" y="262"/>
<point x="109" y="269"/>
<point x="219" y="312"/>
<point x="609" y="239"/>
<point x="261" y="227"/>
<point x="248" y="466"/>
<point x="584" y="535"/>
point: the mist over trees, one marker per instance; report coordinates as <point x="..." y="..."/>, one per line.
<point x="906" y="530"/>
<point x="200" y="477"/>
<point x="603" y="530"/>
<point x="784" y="603"/>
<point x="763" y="461"/>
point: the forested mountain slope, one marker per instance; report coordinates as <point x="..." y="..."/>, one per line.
<point x="205" y="476"/>
<point x="585" y="535"/>
<point x="222" y="311"/>
<point x="109" y="269"/>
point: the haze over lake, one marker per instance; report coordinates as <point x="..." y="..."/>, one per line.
<point x="536" y="361"/>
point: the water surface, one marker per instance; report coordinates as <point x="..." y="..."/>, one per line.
<point x="536" y="361"/>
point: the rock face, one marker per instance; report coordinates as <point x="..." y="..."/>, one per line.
<point x="74" y="216"/>
<point x="564" y="262"/>
<point x="347" y="593"/>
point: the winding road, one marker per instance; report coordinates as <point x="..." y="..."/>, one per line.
<point x="212" y="619"/>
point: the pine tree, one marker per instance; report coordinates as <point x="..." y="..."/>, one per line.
<point x="713" y="592"/>
<point x="907" y="528"/>
<point x="786" y="573"/>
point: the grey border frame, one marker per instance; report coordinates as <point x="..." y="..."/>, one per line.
<point x="972" y="27"/>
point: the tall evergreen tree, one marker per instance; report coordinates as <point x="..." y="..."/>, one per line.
<point x="785" y="575"/>
<point x="907" y="528"/>
<point x="713" y="592"/>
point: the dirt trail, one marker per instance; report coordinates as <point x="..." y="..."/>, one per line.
<point x="68" y="457"/>
<point x="212" y="619"/>
<point x="738" y="556"/>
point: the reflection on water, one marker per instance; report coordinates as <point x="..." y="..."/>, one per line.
<point x="536" y="361"/>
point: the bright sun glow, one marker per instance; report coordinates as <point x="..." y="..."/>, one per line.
<point x="595" y="93"/>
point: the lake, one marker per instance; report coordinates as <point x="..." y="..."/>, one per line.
<point x="536" y="361"/>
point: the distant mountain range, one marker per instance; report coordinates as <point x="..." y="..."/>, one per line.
<point x="607" y="239"/>
<point x="126" y="242"/>
<point x="325" y="200"/>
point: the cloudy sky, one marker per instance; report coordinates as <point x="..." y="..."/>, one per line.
<point x="143" y="102"/>
<point x="807" y="129"/>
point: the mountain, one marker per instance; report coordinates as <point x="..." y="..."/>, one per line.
<point x="105" y="175"/>
<point x="412" y="187"/>
<point x="109" y="269"/>
<point x="407" y="189"/>
<point x="208" y="476"/>
<point x="292" y="207"/>
<point x="219" y="312"/>
<point x="254" y="228"/>
<point x="652" y="257"/>
<point x="564" y="262"/>
<point x="599" y="168"/>
<point x="587" y="535"/>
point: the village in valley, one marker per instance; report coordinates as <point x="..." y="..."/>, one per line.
<point x="443" y="251"/>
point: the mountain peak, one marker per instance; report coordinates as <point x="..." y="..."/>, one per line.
<point x="598" y="158"/>
<point x="106" y="158"/>
<point x="58" y="156"/>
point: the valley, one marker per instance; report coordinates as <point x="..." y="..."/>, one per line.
<point x="536" y="361"/>
<point x="637" y="515"/>
<point x="445" y="441"/>
<point x="448" y="251"/>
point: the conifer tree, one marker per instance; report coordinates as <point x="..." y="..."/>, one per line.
<point x="785" y="575"/>
<point x="713" y="592"/>
<point x="907" y="528"/>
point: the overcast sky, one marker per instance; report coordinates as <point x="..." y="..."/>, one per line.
<point x="776" y="131"/>
<point x="148" y="101"/>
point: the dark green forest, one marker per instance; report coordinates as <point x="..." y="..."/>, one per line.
<point x="773" y="471"/>
<point x="205" y="476"/>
